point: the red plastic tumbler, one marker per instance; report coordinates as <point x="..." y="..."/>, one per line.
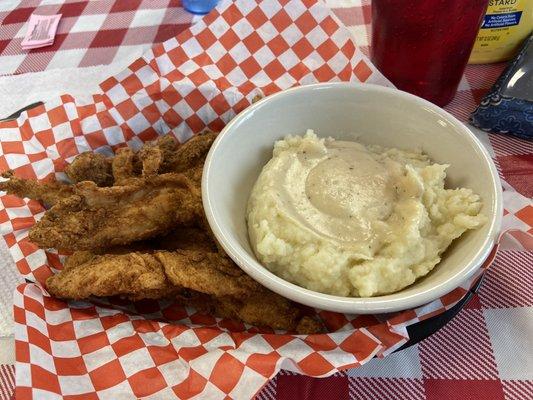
<point x="422" y="46"/>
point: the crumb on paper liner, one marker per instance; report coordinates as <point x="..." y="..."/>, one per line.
<point x="182" y="86"/>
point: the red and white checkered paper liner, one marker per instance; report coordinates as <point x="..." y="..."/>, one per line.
<point x="158" y="349"/>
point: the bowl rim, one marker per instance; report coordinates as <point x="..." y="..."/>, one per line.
<point x="359" y="305"/>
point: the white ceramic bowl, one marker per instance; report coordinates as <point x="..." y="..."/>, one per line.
<point x="370" y="114"/>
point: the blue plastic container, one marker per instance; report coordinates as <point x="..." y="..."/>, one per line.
<point x="199" y="7"/>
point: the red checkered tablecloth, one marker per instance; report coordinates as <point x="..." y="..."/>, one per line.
<point x="90" y="32"/>
<point x="485" y="352"/>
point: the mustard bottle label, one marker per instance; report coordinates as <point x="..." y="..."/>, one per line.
<point x="505" y="25"/>
<point x="501" y="20"/>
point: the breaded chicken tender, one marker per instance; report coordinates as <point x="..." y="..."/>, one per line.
<point x="47" y="192"/>
<point x="96" y="217"/>
<point x="91" y="166"/>
<point x="134" y="275"/>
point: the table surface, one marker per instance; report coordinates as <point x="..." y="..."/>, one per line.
<point x="495" y="329"/>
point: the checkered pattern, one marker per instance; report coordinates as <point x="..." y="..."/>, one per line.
<point x="7" y="381"/>
<point x="222" y="62"/>
<point x="483" y="353"/>
<point x="91" y="32"/>
<point x="112" y="350"/>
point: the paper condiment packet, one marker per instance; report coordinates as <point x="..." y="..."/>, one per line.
<point x="41" y="31"/>
<point x="37" y="46"/>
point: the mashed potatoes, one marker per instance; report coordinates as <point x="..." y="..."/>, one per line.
<point x="353" y="220"/>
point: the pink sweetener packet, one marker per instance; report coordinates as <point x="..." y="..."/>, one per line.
<point x="41" y="31"/>
<point x="37" y="46"/>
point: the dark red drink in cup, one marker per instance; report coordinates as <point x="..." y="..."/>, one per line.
<point x="422" y="46"/>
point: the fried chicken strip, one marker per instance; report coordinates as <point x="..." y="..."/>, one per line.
<point x="143" y="274"/>
<point x="265" y="309"/>
<point x="91" y="166"/>
<point x="208" y="273"/>
<point x="153" y="158"/>
<point x="230" y="292"/>
<point x="308" y="326"/>
<point x="48" y="193"/>
<point x="189" y="159"/>
<point x="96" y="217"/>
<point x="180" y="238"/>
<point x="123" y="166"/>
<point x="134" y="275"/>
<point x="156" y="157"/>
<point x="185" y="238"/>
<point x="192" y="153"/>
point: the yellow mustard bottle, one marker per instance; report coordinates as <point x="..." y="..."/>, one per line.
<point x="505" y="25"/>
